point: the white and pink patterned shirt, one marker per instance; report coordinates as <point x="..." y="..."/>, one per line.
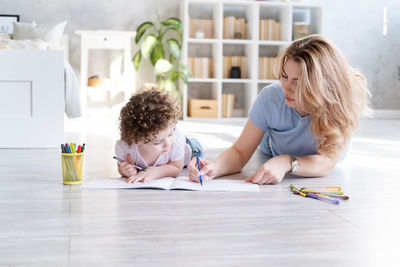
<point x="179" y="149"/>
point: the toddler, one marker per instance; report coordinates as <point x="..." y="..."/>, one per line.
<point x="151" y="145"/>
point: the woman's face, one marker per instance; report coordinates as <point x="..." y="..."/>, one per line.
<point x="290" y="75"/>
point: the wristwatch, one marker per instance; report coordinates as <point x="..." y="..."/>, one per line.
<point x="294" y="164"/>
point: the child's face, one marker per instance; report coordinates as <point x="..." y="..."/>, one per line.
<point x="162" y="141"/>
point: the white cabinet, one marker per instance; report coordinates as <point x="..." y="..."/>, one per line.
<point x="262" y="29"/>
<point x="115" y="40"/>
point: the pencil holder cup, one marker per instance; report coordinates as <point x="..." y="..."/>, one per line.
<point x="72" y="165"/>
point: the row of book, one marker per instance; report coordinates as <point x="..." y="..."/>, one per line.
<point x="235" y="28"/>
<point x="201" y="67"/>
<point x="267" y="68"/>
<point x="270" y="29"/>
<point x="235" y="61"/>
<point x="201" y="28"/>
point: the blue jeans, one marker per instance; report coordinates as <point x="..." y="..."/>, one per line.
<point x="196" y="147"/>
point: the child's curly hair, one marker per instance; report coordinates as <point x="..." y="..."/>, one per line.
<point x="147" y="113"/>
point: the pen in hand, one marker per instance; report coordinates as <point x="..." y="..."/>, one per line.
<point x="198" y="165"/>
<point x="121" y="160"/>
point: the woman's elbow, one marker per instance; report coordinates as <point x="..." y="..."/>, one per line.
<point x="327" y="170"/>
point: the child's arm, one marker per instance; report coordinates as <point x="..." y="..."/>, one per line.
<point x="171" y="169"/>
<point x="127" y="168"/>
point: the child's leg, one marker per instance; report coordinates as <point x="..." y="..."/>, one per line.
<point x="196" y="147"/>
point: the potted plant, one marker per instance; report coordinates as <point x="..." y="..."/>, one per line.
<point x="163" y="53"/>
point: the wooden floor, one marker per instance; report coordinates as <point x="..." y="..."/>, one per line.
<point x="43" y="222"/>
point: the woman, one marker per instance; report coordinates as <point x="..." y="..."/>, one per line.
<point x="304" y="123"/>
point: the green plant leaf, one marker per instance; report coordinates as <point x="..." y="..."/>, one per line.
<point x="142" y="29"/>
<point x="170" y="87"/>
<point x="174" y="75"/>
<point x="148" y="45"/>
<point x="183" y="66"/>
<point x="189" y="74"/>
<point x="161" y="84"/>
<point x="162" y="66"/>
<point x="136" y="59"/>
<point x="186" y="68"/>
<point x="184" y="78"/>
<point x="174" y="48"/>
<point x="156" y="54"/>
<point x="178" y="31"/>
<point x="174" y="22"/>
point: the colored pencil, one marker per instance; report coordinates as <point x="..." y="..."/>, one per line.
<point x="322" y="198"/>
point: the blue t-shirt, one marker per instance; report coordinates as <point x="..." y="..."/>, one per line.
<point x="286" y="132"/>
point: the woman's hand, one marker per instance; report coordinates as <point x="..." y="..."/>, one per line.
<point x="272" y="171"/>
<point x="127" y="168"/>
<point x="143" y="176"/>
<point x="208" y="170"/>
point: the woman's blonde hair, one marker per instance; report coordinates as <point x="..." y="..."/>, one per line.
<point x="329" y="89"/>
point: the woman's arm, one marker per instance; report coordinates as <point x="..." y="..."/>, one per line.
<point x="234" y="158"/>
<point x="273" y="171"/>
<point x="315" y="165"/>
<point x="231" y="160"/>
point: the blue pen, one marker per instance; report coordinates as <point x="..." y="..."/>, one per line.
<point x="198" y="165"/>
<point x="121" y="160"/>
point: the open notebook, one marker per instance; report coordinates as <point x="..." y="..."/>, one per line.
<point x="168" y="183"/>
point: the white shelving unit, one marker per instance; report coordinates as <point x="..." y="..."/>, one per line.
<point x="246" y="89"/>
<point x="107" y="40"/>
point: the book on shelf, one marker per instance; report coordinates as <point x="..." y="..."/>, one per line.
<point x="270" y="29"/>
<point x="201" y="67"/>
<point x="234" y="28"/>
<point x="223" y="105"/>
<point x="201" y="28"/>
<point x="267" y="67"/>
<point x="235" y="61"/>
<point x="273" y="68"/>
<point x="261" y="68"/>
<point x="228" y="102"/>
<point x="169" y="183"/>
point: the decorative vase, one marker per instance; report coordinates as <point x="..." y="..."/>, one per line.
<point x="235" y="73"/>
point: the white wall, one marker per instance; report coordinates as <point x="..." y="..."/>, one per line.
<point x="355" y="26"/>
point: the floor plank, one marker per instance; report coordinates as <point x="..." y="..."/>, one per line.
<point x="43" y="222"/>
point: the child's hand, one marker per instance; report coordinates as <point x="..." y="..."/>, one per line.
<point x="143" y="176"/>
<point x="207" y="170"/>
<point x="127" y="168"/>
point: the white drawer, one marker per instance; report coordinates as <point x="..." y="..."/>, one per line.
<point x="104" y="41"/>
